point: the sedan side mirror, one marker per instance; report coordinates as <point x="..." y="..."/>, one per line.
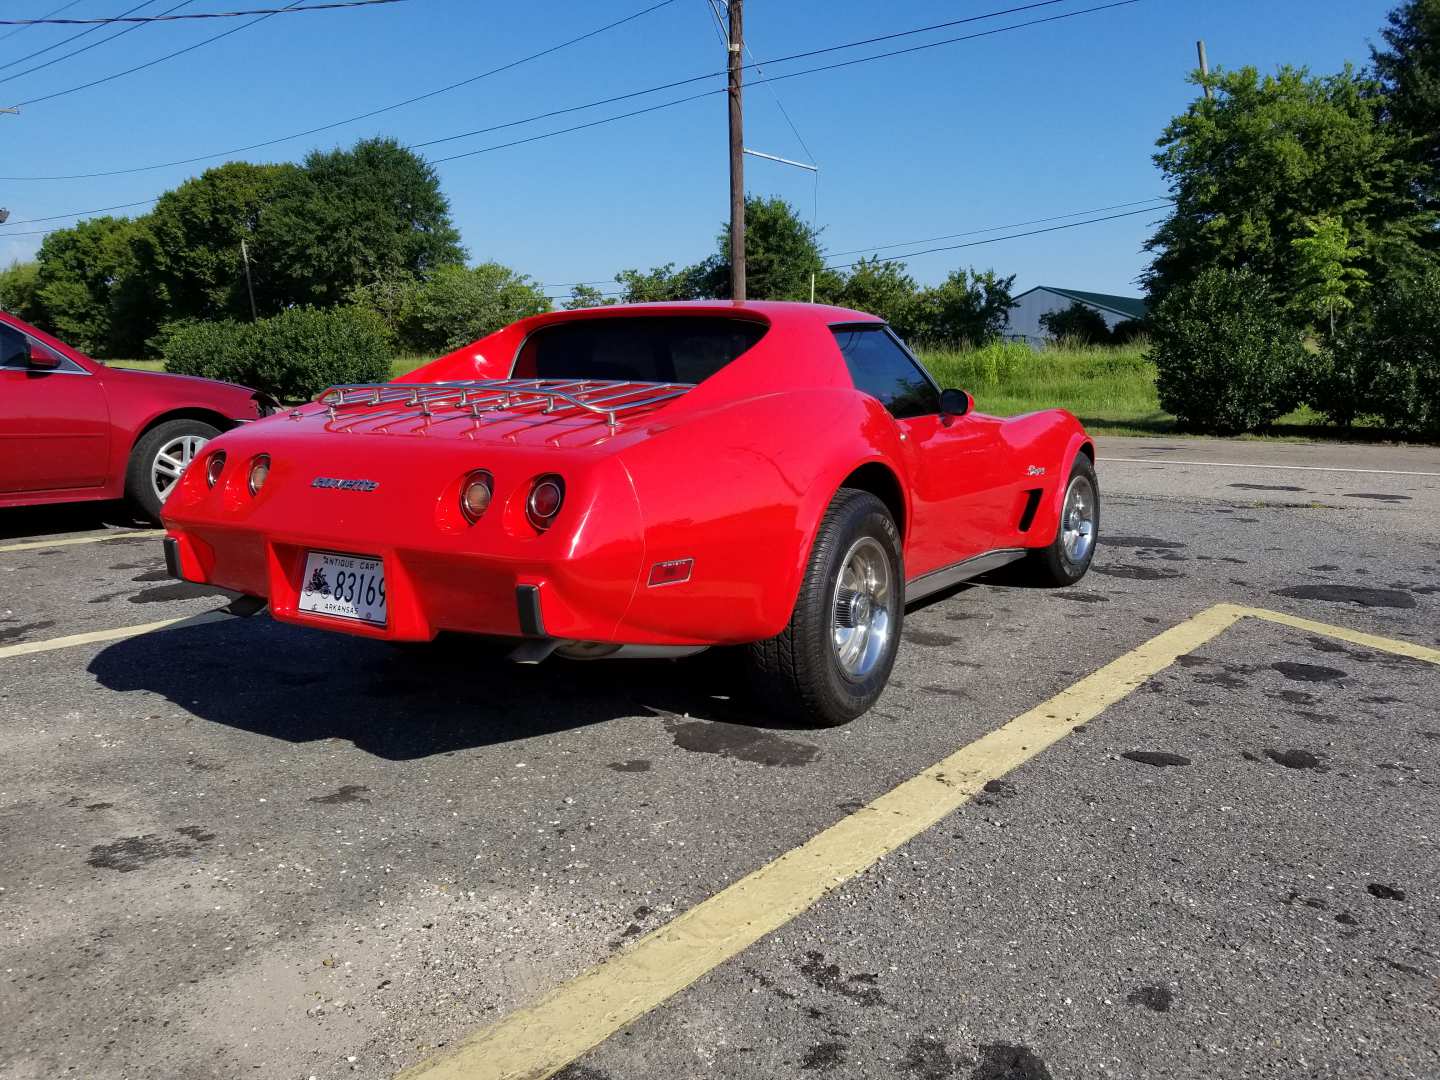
<point x="39" y="357"/>
<point x="955" y="403"/>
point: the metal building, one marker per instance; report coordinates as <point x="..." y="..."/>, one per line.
<point x="1024" y="321"/>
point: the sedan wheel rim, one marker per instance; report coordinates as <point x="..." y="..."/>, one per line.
<point x="1077" y="522"/>
<point x="170" y="461"/>
<point x="860" y="610"/>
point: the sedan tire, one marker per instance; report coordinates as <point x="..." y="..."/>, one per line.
<point x="158" y="459"/>
<point x="832" y="661"/>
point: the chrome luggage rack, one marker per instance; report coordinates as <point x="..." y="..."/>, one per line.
<point x="607" y="398"/>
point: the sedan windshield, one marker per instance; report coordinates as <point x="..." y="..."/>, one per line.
<point x="663" y="349"/>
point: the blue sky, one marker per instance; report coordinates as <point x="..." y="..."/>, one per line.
<point x="1021" y="125"/>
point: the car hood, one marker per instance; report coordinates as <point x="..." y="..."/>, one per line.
<point x="182" y="383"/>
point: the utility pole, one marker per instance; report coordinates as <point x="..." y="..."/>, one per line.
<point x="1204" y="66"/>
<point x="737" y="154"/>
<point x="249" y="286"/>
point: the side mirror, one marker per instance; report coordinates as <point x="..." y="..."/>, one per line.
<point x="955" y="403"/>
<point x="39" y="357"/>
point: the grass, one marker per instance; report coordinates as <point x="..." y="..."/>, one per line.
<point x="1110" y="388"/>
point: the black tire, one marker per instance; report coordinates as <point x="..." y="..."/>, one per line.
<point x="139" y="486"/>
<point x="797" y="674"/>
<point x="1053" y="566"/>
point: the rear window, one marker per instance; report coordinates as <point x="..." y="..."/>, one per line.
<point x="644" y="349"/>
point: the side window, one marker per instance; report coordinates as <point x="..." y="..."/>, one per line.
<point x="881" y="368"/>
<point x="12" y="347"/>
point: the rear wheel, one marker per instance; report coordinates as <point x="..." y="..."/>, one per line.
<point x="159" y="458"/>
<point x="1067" y="558"/>
<point x="832" y="660"/>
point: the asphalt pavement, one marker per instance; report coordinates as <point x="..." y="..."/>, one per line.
<point x="234" y="848"/>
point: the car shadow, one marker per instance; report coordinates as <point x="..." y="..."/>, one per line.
<point x="20" y="523"/>
<point x="296" y="685"/>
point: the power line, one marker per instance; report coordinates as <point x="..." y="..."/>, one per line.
<point x="66" y="41"/>
<point x="997" y="228"/>
<point x="57" y="11"/>
<point x="620" y="97"/>
<point x="710" y="93"/>
<point x="74" y="213"/>
<point x="714" y="6"/>
<point x="988" y="228"/>
<point x="998" y="239"/>
<point x="631" y="95"/>
<point x="150" y="63"/>
<point x="756" y="82"/>
<point x="86" y="48"/>
<point x="365" y="115"/>
<point x="47" y="21"/>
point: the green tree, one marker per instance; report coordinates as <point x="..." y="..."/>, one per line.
<point x="391" y="301"/>
<point x="781" y="254"/>
<point x="458" y="305"/>
<point x="1409" y="70"/>
<point x="662" y="283"/>
<point x="879" y="287"/>
<point x="353" y="217"/>
<point x="20" y="290"/>
<point x="1328" y="282"/>
<point x="89" y="291"/>
<point x="1249" y="168"/>
<point x="190" y="255"/>
<point x="1226" y="358"/>
<point x="1078" y="323"/>
<point x="587" y="296"/>
<point x="968" y="308"/>
<point x="1387" y="367"/>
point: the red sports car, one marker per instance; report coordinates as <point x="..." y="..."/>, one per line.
<point x="72" y="429"/>
<point x="645" y="480"/>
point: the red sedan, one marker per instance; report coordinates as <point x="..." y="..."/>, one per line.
<point x="72" y="429"/>
<point x="647" y="481"/>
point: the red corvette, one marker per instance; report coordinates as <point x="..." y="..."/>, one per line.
<point x="72" y="429"/>
<point x="645" y="480"/>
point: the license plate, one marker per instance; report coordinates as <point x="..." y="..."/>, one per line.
<point x="344" y="587"/>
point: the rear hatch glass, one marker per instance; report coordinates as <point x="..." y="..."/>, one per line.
<point x="659" y="349"/>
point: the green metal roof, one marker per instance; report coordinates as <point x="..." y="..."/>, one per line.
<point x="1132" y="307"/>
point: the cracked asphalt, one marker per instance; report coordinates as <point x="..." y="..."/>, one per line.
<point x="243" y="849"/>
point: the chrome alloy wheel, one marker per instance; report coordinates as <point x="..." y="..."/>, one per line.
<point x="1077" y="520"/>
<point x="170" y="461"/>
<point x="860" y="615"/>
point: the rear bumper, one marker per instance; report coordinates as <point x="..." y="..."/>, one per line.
<point x="428" y="591"/>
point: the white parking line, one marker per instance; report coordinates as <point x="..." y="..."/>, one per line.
<point x="1248" y="465"/>
<point x="116" y="633"/>
<point x="66" y="541"/>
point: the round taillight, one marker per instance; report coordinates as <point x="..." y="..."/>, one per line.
<point x="259" y="473"/>
<point x="544" y="502"/>
<point x="475" y="495"/>
<point x="214" y="466"/>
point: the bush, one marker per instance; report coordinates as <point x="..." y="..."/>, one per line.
<point x="1389" y="368"/>
<point x="1077" y="324"/>
<point x="1226" y="360"/>
<point x="292" y="357"/>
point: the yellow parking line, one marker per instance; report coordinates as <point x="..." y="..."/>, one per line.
<point x="100" y="538"/>
<point x="117" y="633"/>
<point x="537" y="1041"/>
<point x="1355" y="637"/>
